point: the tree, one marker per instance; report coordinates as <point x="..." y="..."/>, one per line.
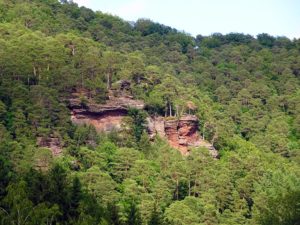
<point x="112" y="211"/>
<point x="139" y="121"/>
<point x="5" y="175"/>
<point x="223" y="94"/>
<point x="3" y="112"/>
<point x="277" y="203"/>
<point x="133" y="215"/>
<point x="111" y="64"/>
<point x="145" y="173"/>
<point x="75" y="198"/>
<point x="123" y="162"/>
<point x="156" y="218"/>
<point x="166" y="93"/>
<point x="58" y="189"/>
<point x="21" y="209"/>
<point x="136" y="67"/>
<point x="99" y="185"/>
<point x="181" y="213"/>
<point x="266" y="40"/>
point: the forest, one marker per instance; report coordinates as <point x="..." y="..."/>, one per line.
<point x="245" y="91"/>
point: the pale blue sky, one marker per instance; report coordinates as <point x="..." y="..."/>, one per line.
<point x="276" y="17"/>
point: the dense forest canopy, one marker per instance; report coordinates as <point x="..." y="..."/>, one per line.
<point x="244" y="90"/>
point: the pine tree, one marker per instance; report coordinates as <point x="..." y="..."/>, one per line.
<point x="156" y="218"/>
<point x="5" y="176"/>
<point x="75" y="198"/>
<point x="112" y="214"/>
<point x="134" y="217"/>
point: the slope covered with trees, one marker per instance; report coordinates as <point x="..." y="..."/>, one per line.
<point x="244" y="90"/>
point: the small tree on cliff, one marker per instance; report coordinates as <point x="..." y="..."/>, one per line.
<point x="166" y="93"/>
<point x="191" y="106"/>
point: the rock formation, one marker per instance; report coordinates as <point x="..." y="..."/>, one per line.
<point x="181" y="133"/>
<point x="104" y="117"/>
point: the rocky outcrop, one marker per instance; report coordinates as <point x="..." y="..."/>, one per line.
<point x="104" y="117"/>
<point x="181" y="133"/>
<point x="103" y="122"/>
<point x="52" y="143"/>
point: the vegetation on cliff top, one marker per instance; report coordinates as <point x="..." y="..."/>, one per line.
<point x="244" y="90"/>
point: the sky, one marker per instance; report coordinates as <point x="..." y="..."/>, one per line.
<point x="275" y="17"/>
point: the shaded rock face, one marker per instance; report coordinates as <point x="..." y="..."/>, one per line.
<point x="104" y="117"/>
<point x="52" y="143"/>
<point x="181" y="133"/>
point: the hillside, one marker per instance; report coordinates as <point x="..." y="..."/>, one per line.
<point x="109" y="122"/>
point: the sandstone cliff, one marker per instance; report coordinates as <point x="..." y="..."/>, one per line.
<point x="181" y="133"/>
<point x="104" y="117"/>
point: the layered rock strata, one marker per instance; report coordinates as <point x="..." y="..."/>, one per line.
<point x="104" y="117"/>
<point x="181" y="133"/>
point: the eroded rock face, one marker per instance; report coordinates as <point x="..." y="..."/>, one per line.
<point x="181" y="133"/>
<point x="104" y="117"/>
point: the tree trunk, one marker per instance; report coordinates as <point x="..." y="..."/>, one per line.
<point x="73" y="50"/>
<point x="108" y="81"/>
<point x="177" y="189"/>
<point x="189" y="185"/>
<point x="34" y="71"/>
<point x="166" y="110"/>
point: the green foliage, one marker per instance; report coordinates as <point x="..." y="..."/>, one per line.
<point x="133" y="215"/>
<point x="244" y="90"/>
<point x="5" y="175"/>
<point x="139" y="120"/>
<point x="277" y="198"/>
<point x="266" y="40"/>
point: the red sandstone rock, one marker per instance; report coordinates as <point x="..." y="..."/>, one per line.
<point x="104" y="117"/>
<point x="181" y="133"/>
